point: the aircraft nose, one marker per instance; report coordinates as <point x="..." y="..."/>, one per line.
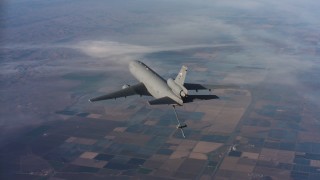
<point x="132" y="65"/>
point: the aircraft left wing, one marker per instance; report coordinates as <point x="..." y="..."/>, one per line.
<point x="138" y="89"/>
<point x="191" y="86"/>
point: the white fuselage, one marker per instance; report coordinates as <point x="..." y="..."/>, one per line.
<point x="154" y="83"/>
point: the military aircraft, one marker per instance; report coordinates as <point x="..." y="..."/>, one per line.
<point x="172" y="91"/>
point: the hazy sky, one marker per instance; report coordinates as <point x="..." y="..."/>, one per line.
<point x="120" y="31"/>
<point x="123" y="30"/>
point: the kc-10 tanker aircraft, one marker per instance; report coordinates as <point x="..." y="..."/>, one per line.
<point x="172" y="91"/>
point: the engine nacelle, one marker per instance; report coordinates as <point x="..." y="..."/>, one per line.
<point x="177" y="89"/>
<point x="125" y="86"/>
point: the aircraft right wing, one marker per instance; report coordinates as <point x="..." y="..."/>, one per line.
<point x="191" y="86"/>
<point x="138" y="89"/>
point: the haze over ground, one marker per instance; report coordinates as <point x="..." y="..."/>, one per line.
<point x="57" y="54"/>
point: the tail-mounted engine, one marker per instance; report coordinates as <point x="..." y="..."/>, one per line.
<point x="177" y="89"/>
<point x="125" y="86"/>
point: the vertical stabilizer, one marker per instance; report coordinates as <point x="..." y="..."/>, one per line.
<point x="181" y="76"/>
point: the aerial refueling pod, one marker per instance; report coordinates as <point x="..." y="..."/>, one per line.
<point x="177" y="89"/>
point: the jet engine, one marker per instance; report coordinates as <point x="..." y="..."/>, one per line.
<point x="125" y="86"/>
<point x="177" y="89"/>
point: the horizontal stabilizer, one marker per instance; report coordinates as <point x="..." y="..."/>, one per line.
<point x="164" y="100"/>
<point x="191" y="86"/>
<point x="192" y="98"/>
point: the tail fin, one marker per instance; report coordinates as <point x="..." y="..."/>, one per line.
<point x="181" y="76"/>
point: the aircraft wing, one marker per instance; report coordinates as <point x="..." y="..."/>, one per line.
<point x="191" y="86"/>
<point x="138" y="89"/>
<point x="192" y="98"/>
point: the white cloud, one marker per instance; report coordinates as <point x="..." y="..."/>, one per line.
<point x="101" y="49"/>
